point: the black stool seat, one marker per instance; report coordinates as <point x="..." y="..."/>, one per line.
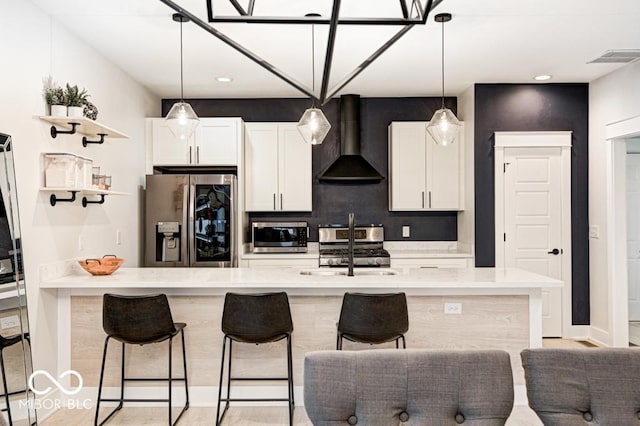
<point x="255" y="318"/>
<point x="373" y="318"/>
<point x="140" y="320"/>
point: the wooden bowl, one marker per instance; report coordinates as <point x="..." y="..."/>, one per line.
<point x="105" y="266"/>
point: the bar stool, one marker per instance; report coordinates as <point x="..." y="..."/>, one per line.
<point x="373" y="318"/>
<point x="255" y="318"/>
<point x="6" y="342"/>
<point x="140" y="320"/>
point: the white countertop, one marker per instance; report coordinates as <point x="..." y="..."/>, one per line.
<point x="219" y="280"/>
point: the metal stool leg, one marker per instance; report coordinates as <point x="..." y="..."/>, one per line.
<point x="170" y="378"/>
<point x="184" y="362"/>
<point x="292" y="402"/>
<point x="224" y="350"/>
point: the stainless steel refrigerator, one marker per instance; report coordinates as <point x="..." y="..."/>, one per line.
<point x="189" y="220"/>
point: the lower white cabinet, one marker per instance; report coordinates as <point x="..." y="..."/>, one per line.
<point x="277" y="168"/>
<point x="215" y="142"/>
<point x="280" y="263"/>
<point x="432" y="262"/>
<point x="423" y="175"/>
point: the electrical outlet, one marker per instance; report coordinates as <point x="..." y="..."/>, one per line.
<point x="80" y="243"/>
<point x="118" y="237"/>
<point x="9" y="322"/>
<point x="406" y="231"/>
<point x="452" y="308"/>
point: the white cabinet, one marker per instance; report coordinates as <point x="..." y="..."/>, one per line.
<point x="215" y="142"/>
<point x="422" y="174"/>
<point x="300" y="263"/>
<point x="430" y="262"/>
<point x="277" y="168"/>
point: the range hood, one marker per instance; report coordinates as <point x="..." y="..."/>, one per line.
<point x="350" y="167"/>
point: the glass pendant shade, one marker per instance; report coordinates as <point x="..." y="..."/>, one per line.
<point x="313" y="126"/>
<point x="444" y="127"/>
<point x="182" y="120"/>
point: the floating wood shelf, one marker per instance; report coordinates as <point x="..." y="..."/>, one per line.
<point x="53" y="198"/>
<point x="84" y="126"/>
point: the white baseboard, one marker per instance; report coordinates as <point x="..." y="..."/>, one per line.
<point x="600" y="336"/>
<point x="578" y="332"/>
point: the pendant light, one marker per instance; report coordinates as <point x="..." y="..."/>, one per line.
<point x="181" y="119"/>
<point x="313" y="125"/>
<point x="443" y="126"/>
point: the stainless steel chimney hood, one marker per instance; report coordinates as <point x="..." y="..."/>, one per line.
<point x="350" y="167"/>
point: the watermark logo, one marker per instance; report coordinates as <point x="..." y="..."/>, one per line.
<point x="49" y="404"/>
<point x="55" y="382"/>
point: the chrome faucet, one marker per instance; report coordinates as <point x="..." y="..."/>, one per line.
<point x="352" y="237"/>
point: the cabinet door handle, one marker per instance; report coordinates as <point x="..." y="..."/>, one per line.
<point x="429" y="199"/>
<point x="423" y="199"/>
<point x="281" y="208"/>
<point x="274" y="201"/>
<point x="190" y="160"/>
<point x="197" y="155"/>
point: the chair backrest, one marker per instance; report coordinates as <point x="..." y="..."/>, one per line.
<point x="137" y="319"/>
<point x="420" y="387"/>
<point x="256" y="318"/>
<point x="373" y="318"/>
<point x="576" y="386"/>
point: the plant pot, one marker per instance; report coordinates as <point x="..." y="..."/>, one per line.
<point x="58" y="110"/>
<point x="74" y="111"/>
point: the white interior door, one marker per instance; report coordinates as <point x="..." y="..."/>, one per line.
<point x="633" y="234"/>
<point x="533" y="222"/>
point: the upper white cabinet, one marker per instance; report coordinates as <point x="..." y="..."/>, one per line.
<point x="277" y="168"/>
<point x="422" y="174"/>
<point x="215" y="142"/>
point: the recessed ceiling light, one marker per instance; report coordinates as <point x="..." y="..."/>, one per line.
<point x="224" y="79"/>
<point x="542" y="77"/>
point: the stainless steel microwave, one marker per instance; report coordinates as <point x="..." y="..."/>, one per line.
<point x="280" y="237"/>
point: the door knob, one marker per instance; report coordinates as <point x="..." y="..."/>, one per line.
<point x="555" y="252"/>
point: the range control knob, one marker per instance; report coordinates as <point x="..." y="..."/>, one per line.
<point x="378" y="261"/>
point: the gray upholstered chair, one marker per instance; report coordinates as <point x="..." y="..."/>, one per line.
<point x="416" y="386"/>
<point x="584" y="386"/>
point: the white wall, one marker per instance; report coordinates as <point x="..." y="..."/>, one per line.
<point x="33" y="47"/>
<point x="612" y="98"/>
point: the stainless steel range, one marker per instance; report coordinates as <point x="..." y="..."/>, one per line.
<point x="367" y="248"/>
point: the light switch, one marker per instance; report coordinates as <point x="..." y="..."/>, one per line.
<point x="594" y="231"/>
<point x="406" y="231"/>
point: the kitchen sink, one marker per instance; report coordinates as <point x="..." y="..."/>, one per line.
<point x="356" y="272"/>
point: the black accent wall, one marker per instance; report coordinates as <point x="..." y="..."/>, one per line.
<point x="535" y="107"/>
<point x="333" y="202"/>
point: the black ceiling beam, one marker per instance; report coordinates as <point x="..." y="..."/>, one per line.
<point x="239" y="8"/>
<point x="405" y="11"/>
<point x="331" y="42"/>
<point x="302" y="20"/>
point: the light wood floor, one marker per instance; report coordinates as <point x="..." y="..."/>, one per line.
<point x="248" y="416"/>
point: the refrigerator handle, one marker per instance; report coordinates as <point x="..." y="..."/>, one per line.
<point x="189" y="216"/>
<point x="186" y="232"/>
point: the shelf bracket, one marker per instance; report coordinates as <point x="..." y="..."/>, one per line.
<point x="53" y="199"/>
<point x="55" y="132"/>
<point x="85" y="202"/>
<point x="86" y="141"/>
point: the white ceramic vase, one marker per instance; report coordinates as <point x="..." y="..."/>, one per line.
<point x="74" y="111"/>
<point x="58" y="110"/>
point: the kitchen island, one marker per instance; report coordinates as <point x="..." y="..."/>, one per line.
<point x="448" y="308"/>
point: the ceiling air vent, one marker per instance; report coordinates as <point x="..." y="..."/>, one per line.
<point x="620" y="56"/>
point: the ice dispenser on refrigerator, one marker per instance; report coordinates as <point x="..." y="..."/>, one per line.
<point x="189" y="220"/>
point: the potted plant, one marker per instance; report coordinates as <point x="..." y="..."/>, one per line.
<point x="54" y="96"/>
<point x="75" y="99"/>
